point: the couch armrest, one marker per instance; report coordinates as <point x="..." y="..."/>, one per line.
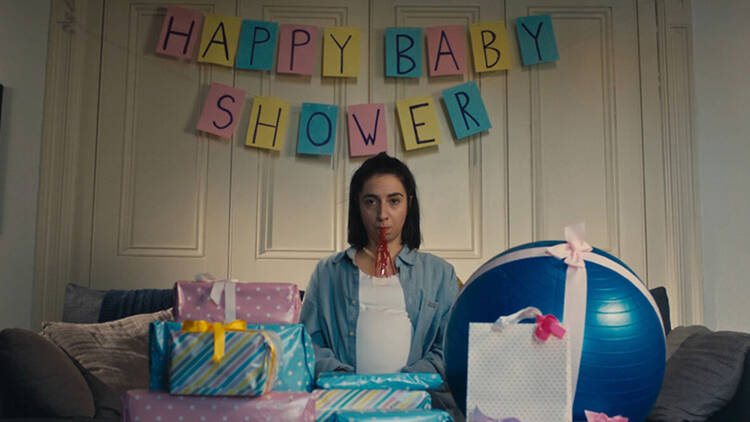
<point x="738" y="408"/>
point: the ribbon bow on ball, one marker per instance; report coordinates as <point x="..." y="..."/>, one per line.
<point x="574" y="248"/>
<point x="602" y="417"/>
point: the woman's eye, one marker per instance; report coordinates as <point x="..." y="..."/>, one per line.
<point x="395" y="201"/>
<point x="369" y="202"/>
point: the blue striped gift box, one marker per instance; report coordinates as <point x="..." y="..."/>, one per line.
<point x="328" y="402"/>
<point x="247" y="368"/>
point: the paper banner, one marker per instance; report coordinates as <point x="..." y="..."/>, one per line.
<point x="297" y="45"/>
<point x="180" y="33"/>
<point x="341" y="52"/>
<point x="536" y="39"/>
<point x="268" y="119"/>
<point x="219" y="40"/>
<point x="418" y="120"/>
<point x="403" y="52"/>
<point x="221" y="110"/>
<point x="317" y="129"/>
<point x="466" y="109"/>
<point x="446" y="50"/>
<point x="489" y="44"/>
<point x="257" y="45"/>
<point x="367" y="134"/>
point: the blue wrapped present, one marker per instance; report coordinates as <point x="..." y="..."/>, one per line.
<point x="296" y="373"/>
<point x="397" y="381"/>
<point x="396" y="415"/>
<point x="330" y="402"/>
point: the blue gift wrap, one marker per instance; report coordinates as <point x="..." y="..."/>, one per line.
<point x="433" y="415"/>
<point x="396" y="381"/>
<point x="297" y="371"/>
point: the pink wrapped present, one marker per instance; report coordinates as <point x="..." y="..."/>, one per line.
<point x="226" y="301"/>
<point x="155" y="406"/>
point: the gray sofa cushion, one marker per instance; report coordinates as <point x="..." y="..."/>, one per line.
<point x="40" y="379"/>
<point x="114" y="353"/>
<point x="702" y="376"/>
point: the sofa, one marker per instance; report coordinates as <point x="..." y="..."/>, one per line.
<point x="76" y="370"/>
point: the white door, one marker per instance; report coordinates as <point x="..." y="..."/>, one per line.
<point x="574" y="128"/>
<point x="461" y="183"/>
<point x="289" y="210"/>
<point x="161" y="209"/>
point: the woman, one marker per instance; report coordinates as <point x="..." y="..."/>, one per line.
<point x="365" y="324"/>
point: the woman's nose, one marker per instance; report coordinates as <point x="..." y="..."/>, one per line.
<point x="382" y="215"/>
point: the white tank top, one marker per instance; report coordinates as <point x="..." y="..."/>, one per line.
<point x="383" y="326"/>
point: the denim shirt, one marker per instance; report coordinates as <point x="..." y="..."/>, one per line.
<point x="331" y="309"/>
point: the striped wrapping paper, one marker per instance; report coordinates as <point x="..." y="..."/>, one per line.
<point x="328" y="402"/>
<point x="247" y="369"/>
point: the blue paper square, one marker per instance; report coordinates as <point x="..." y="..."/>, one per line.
<point x="257" y="45"/>
<point x="403" y="52"/>
<point x="317" y="129"/>
<point x="536" y="38"/>
<point x="466" y="109"/>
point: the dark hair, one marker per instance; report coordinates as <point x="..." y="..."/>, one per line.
<point x="383" y="164"/>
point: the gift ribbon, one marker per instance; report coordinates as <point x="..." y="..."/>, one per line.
<point x="230" y="302"/>
<point x="546" y="325"/>
<point x="477" y="416"/>
<point x="219" y="331"/>
<point x="602" y="417"/>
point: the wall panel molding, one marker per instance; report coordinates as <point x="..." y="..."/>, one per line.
<point x="66" y="189"/>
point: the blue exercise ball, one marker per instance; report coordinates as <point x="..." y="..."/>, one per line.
<point x="623" y="352"/>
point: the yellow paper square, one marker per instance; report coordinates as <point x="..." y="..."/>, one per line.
<point x="341" y="51"/>
<point x="267" y="127"/>
<point x="219" y="39"/>
<point x="418" y="120"/>
<point x="496" y="55"/>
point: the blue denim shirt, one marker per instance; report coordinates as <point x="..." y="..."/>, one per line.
<point x="331" y="309"/>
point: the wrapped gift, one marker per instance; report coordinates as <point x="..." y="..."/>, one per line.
<point x="519" y="371"/>
<point x="395" y="415"/>
<point x="226" y="301"/>
<point x="215" y="359"/>
<point x="397" y="381"/>
<point x="328" y="402"/>
<point x="296" y="372"/>
<point x="153" y="406"/>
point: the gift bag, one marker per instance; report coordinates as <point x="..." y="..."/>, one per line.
<point x="519" y="370"/>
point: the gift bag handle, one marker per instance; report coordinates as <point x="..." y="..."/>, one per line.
<point x="525" y="313"/>
<point x="546" y="325"/>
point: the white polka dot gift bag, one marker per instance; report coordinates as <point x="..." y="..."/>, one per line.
<point x="519" y="371"/>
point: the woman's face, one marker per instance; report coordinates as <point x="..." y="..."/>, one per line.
<point x="383" y="203"/>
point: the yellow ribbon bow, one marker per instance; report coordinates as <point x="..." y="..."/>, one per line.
<point x="219" y="330"/>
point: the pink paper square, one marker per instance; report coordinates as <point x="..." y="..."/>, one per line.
<point x="367" y="133"/>
<point x="297" y="47"/>
<point x="446" y="50"/>
<point x="180" y="33"/>
<point x="221" y="111"/>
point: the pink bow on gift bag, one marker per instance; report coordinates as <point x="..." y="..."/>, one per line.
<point x="477" y="416"/>
<point x="602" y="417"/>
<point x="546" y="325"/>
